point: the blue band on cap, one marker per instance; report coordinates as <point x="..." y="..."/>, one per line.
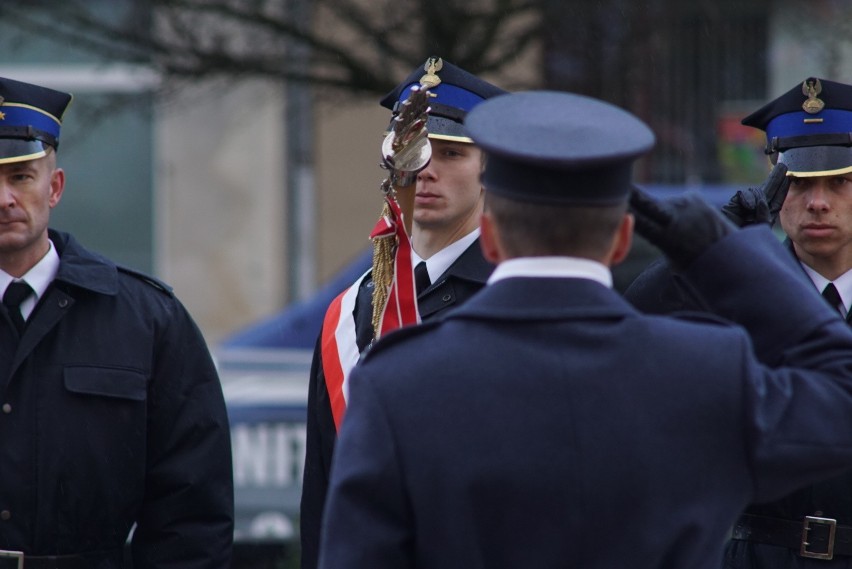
<point x="19" y="115"/>
<point x="793" y="124"/>
<point x="450" y="95"/>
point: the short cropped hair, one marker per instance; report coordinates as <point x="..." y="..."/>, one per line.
<point x="537" y="230"/>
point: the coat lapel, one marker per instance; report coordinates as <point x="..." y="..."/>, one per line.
<point x="789" y="244"/>
<point x="462" y="279"/>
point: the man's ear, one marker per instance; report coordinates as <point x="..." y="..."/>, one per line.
<point x="623" y="240"/>
<point x="489" y="240"/>
<point x="57" y="186"/>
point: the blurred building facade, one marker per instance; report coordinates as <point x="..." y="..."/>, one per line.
<point x="193" y="186"/>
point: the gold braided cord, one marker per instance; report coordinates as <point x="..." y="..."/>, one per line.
<point x="384" y="249"/>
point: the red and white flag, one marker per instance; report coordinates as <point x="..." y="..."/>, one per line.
<point x="339" y="347"/>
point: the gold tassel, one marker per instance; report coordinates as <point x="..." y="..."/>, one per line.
<point x="383" y="258"/>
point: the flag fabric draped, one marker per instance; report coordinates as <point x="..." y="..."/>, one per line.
<point x="339" y="347"/>
<point x="401" y="306"/>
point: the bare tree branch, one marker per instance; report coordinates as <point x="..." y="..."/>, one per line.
<point x="354" y="45"/>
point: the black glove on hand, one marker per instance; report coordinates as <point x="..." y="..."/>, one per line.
<point x="682" y="227"/>
<point x="759" y="205"/>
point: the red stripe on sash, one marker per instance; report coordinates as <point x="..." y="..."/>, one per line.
<point x="338" y="344"/>
<point x="331" y="366"/>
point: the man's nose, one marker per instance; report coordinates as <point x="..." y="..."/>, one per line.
<point x="427" y="173"/>
<point x="818" y="198"/>
<point x="7" y="199"/>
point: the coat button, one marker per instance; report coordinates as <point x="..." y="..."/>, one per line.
<point x="7" y="408"/>
<point x="447" y="297"/>
<point x="63" y="303"/>
<point x="5" y="515"/>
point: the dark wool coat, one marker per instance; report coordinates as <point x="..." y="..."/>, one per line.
<point x="659" y="290"/>
<point x="466" y="276"/>
<point x="547" y="423"/>
<point x="111" y="414"/>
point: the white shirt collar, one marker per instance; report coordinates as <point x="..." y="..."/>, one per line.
<point x="437" y="264"/>
<point x="843" y="283"/>
<point x="553" y="267"/>
<point x="38" y="277"/>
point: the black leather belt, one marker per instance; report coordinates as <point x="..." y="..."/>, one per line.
<point x="812" y="537"/>
<point x="19" y="560"/>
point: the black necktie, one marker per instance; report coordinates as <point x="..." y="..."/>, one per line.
<point x="15" y="294"/>
<point x="421" y="277"/>
<point x="832" y="297"/>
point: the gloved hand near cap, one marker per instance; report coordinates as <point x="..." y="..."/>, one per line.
<point x="682" y="227"/>
<point x="759" y="205"/>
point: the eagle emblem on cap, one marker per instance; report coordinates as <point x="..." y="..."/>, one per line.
<point x="811" y="88"/>
<point x="431" y="79"/>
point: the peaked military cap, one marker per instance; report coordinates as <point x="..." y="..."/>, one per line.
<point x="455" y="92"/>
<point x="810" y="126"/>
<point x="558" y="148"/>
<point x="30" y="119"/>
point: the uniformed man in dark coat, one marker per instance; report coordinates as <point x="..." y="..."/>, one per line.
<point x="445" y="238"/>
<point x="112" y="420"/>
<point x="809" y="134"/>
<point x="547" y="423"/>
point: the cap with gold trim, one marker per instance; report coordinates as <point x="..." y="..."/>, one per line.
<point x="454" y="91"/>
<point x="556" y="148"/>
<point x="30" y="120"/>
<point x="810" y="127"/>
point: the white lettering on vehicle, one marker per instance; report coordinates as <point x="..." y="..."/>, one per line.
<point x="268" y="454"/>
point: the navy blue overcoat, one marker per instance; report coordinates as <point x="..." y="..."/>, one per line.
<point x="547" y="423"/>
<point x="111" y="414"/>
<point x="464" y="277"/>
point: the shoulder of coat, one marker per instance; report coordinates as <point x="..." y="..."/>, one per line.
<point x="700" y="317"/>
<point x="147" y="279"/>
<point x="399" y="335"/>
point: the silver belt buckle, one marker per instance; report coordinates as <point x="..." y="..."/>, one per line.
<point x="8" y="554"/>
<point x="806" y="527"/>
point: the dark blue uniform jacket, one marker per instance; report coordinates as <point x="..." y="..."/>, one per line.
<point x="111" y="413"/>
<point x="659" y="290"/>
<point x="466" y="276"/>
<point x="547" y="423"/>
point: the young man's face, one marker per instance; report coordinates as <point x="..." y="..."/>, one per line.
<point x="449" y="195"/>
<point x="817" y="216"/>
<point x="28" y="191"/>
